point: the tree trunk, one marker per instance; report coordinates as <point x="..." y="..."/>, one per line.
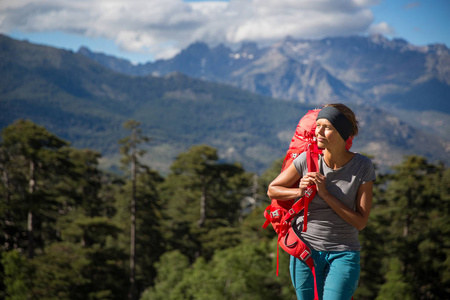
<point x="254" y="191"/>
<point x="201" y="221"/>
<point x="30" y="231"/>
<point x="9" y="222"/>
<point x="132" y="291"/>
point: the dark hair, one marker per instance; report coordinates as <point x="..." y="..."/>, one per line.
<point x="347" y="112"/>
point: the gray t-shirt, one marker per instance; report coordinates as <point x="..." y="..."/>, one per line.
<point x="327" y="231"/>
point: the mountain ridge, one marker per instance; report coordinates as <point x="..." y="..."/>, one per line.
<point x="374" y="68"/>
<point x="87" y="103"/>
<point x="407" y="80"/>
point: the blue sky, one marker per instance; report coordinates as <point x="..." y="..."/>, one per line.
<point x="419" y="22"/>
<point x="142" y="31"/>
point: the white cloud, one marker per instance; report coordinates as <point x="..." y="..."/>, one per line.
<point x="382" y="28"/>
<point x="163" y="27"/>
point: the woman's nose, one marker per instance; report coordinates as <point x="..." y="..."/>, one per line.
<point x="319" y="130"/>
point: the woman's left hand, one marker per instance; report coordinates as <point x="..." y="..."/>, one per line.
<point x="357" y="217"/>
<point x="319" y="180"/>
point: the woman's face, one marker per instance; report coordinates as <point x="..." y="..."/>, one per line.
<point x="326" y="134"/>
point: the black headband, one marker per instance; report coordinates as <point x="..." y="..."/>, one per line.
<point x="338" y="120"/>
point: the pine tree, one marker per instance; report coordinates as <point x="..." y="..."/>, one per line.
<point x="39" y="157"/>
<point x="17" y="279"/>
<point x="416" y="216"/>
<point x="130" y="154"/>
<point x="202" y="199"/>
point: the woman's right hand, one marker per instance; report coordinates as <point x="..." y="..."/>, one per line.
<point x="305" y="181"/>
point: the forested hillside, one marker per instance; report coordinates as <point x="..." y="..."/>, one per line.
<point x="72" y="231"/>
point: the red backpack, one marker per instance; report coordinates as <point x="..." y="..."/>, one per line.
<point x="281" y="212"/>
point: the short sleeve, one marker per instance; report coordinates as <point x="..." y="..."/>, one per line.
<point x="368" y="170"/>
<point x="300" y="164"/>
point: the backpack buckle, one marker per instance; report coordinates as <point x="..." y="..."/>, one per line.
<point x="305" y="255"/>
<point x="275" y="213"/>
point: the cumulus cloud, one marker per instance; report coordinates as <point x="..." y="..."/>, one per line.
<point x="382" y="28"/>
<point x="163" y="27"/>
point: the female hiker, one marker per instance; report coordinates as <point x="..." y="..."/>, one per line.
<point x="336" y="214"/>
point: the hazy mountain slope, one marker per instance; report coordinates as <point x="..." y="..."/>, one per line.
<point x="277" y="75"/>
<point x="382" y="70"/>
<point x="86" y="103"/>
<point x="268" y="72"/>
<point x="411" y="82"/>
<point x="375" y="68"/>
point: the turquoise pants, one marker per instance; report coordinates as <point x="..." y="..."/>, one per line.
<point x="337" y="275"/>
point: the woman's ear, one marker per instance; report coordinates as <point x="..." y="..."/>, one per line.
<point x="349" y="143"/>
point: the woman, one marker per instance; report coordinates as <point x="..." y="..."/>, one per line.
<point x="337" y="213"/>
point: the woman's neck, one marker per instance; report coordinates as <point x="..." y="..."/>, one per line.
<point x="337" y="158"/>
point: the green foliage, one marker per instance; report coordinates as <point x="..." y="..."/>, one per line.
<point x="33" y="161"/>
<point x="17" y="276"/>
<point x="129" y="144"/>
<point x="395" y="287"/>
<point x="241" y="272"/>
<point x="149" y="241"/>
<point x="374" y="258"/>
<point x="50" y="192"/>
<point x="58" y="272"/>
<point x="170" y="270"/>
<point x="82" y="187"/>
<point x="201" y="197"/>
<point x="406" y="242"/>
<point x="196" y="235"/>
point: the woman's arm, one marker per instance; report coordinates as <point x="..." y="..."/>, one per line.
<point x="358" y="218"/>
<point x="281" y="187"/>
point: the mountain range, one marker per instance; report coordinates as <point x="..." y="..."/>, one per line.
<point x="371" y="69"/>
<point x="413" y="82"/>
<point x="245" y="102"/>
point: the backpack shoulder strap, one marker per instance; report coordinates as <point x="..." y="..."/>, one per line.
<point x="312" y="157"/>
<point x="312" y="160"/>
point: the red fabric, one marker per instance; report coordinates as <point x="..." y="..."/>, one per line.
<point x="303" y="136"/>
<point x="295" y="247"/>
